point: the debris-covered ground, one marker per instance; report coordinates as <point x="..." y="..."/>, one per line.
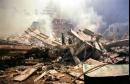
<point x="43" y="60"/>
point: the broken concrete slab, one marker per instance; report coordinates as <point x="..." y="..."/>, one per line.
<point x="111" y="74"/>
<point x="76" y="75"/>
<point x="83" y="38"/>
<point x="26" y="73"/>
<point x="91" y="61"/>
<point x="107" y="70"/>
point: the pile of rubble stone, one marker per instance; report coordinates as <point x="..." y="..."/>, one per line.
<point x="55" y="62"/>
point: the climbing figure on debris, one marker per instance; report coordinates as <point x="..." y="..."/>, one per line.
<point x="63" y="39"/>
<point x="93" y="39"/>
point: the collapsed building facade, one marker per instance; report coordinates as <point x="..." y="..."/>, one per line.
<point x="37" y="58"/>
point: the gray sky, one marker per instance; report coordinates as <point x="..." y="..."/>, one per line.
<point x="17" y="15"/>
<point x="113" y="10"/>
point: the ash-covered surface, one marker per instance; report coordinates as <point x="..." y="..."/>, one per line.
<point x="43" y="60"/>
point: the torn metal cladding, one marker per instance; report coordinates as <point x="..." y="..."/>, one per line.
<point x="119" y="43"/>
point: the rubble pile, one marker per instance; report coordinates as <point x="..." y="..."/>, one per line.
<point x="43" y="60"/>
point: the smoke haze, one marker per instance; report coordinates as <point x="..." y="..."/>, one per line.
<point x="16" y="16"/>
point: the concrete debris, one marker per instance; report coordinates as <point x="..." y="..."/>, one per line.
<point x="108" y="72"/>
<point x="53" y="72"/>
<point x="36" y="58"/>
<point x="39" y="77"/>
<point x="76" y="75"/>
<point x="91" y="61"/>
<point x="119" y="43"/>
<point x="26" y="73"/>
